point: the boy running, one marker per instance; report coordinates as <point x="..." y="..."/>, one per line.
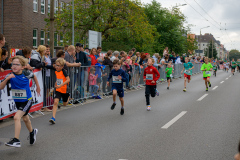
<point x="215" y="68"/>
<point x="19" y="79"/>
<point x="119" y="77"/>
<point x="234" y="64"/>
<point x="60" y="86"/>
<point x="207" y="68"/>
<point x="187" y="68"/>
<point x="169" y="72"/>
<point x="150" y="79"/>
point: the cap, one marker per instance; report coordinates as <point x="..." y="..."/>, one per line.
<point x="146" y="54"/>
<point x="79" y="44"/>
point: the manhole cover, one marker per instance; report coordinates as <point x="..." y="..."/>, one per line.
<point x="2" y="144"/>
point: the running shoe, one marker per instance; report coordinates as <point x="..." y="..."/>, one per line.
<point x="52" y="120"/>
<point x="113" y="106"/>
<point x="157" y="93"/>
<point x="209" y="84"/>
<point x="167" y="87"/>
<point x="33" y="136"/>
<point x="122" y="111"/>
<point x="184" y="90"/>
<point x="148" y="108"/>
<point x="14" y="142"/>
<point x="206" y="89"/>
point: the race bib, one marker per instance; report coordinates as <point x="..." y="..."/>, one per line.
<point x="149" y="77"/>
<point x="59" y="81"/>
<point x="116" y="79"/>
<point x="187" y="71"/>
<point x="19" y="94"/>
<point x="171" y="75"/>
<point x="207" y="72"/>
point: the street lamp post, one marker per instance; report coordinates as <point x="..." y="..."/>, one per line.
<point x="200" y="39"/>
<point x="72" y="22"/>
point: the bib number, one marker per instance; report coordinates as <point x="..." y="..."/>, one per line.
<point x="187" y="71"/>
<point x="149" y="77"/>
<point x="59" y="81"/>
<point x="208" y="72"/>
<point x="116" y="79"/>
<point x="19" y="94"/>
<point x="171" y="75"/>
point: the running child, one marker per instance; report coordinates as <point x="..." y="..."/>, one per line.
<point x="207" y="68"/>
<point x="238" y="65"/>
<point x="150" y="79"/>
<point x="187" y="68"/>
<point x="234" y="64"/>
<point x="215" y="69"/>
<point x="169" y="72"/>
<point x="19" y="79"/>
<point x="119" y="76"/>
<point x="227" y="66"/>
<point x="60" y="87"/>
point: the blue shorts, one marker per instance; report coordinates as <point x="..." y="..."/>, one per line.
<point x="120" y="91"/>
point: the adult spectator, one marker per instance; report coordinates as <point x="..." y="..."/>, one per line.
<point x="69" y="57"/>
<point x="108" y="63"/>
<point x="80" y="55"/>
<point x="133" y="50"/>
<point x="99" y="50"/>
<point x="138" y="57"/>
<point x="143" y="60"/>
<point x="165" y="52"/>
<point x="130" y="54"/>
<point x="5" y="62"/>
<point x="178" y="60"/>
<point x="172" y="57"/>
<point x="115" y="55"/>
<point x="2" y="41"/>
<point x="87" y="50"/>
<point x="37" y="58"/>
<point x="65" y="48"/>
<point x="155" y="57"/>
<point x="93" y="57"/>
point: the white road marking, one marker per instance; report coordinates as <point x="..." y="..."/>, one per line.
<point x="215" y="87"/>
<point x="221" y="82"/>
<point x="205" y="95"/>
<point x="226" y="78"/>
<point x="230" y="76"/>
<point x="166" y="126"/>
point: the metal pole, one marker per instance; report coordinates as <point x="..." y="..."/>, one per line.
<point x="52" y="28"/>
<point x="200" y="42"/>
<point x="212" y="48"/>
<point x="72" y="22"/>
<point x="2" y="18"/>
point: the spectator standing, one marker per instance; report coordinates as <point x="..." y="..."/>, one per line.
<point x="115" y="55"/>
<point x="37" y="57"/>
<point x="172" y="57"/>
<point x="98" y="53"/>
<point x="65" y="48"/>
<point x="2" y="41"/>
<point x="93" y="56"/>
<point x="165" y="52"/>
<point x="155" y="57"/>
<point x="108" y="63"/>
<point x="5" y="62"/>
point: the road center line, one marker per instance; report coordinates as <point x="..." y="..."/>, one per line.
<point x="215" y="87"/>
<point x="175" y="119"/>
<point x="221" y="82"/>
<point x="226" y="78"/>
<point x="205" y="95"/>
<point x="230" y="76"/>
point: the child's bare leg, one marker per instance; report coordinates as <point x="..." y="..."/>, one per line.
<point x="114" y="95"/>
<point x="168" y="82"/>
<point x="55" y="106"/>
<point x="185" y="82"/>
<point x="28" y="123"/>
<point x="17" y="121"/>
<point x="206" y="84"/>
<point x="122" y="101"/>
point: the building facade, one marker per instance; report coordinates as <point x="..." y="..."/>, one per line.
<point x="24" y="22"/>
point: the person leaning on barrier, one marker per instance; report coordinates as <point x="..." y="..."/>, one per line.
<point x="115" y="55"/>
<point x="26" y="53"/>
<point x="155" y="57"/>
<point x="80" y="55"/>
<point x="69" y="57"/>
<point x="109" y="65"/>
<point x="5" y="62"/>
<point x="37" y="57"/>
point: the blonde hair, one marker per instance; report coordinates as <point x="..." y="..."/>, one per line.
<point x="134" y="59"/>
<point x="91" y="52"/>
<point x="153" y="61"/>
<point x="23" y="61"/>
<point x="61" y="61"/>
<point x="156" y="55"/>
<point x="41" y="49"/>
<point x="71" y="47"/>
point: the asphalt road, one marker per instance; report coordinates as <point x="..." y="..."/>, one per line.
<point x="179" y="127"/>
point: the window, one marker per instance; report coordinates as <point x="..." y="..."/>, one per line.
<point x="48" y="6"/>
<point x="203" y="44"/>
<point x="55" y="6"/>
<point x="42" y="42"/>
<point x="61" y="39"/>
<point x="55" y="39"/>
<point x="35" y="38"/>
<point x="35" y="5"/>
<point x="43" y="6"/>
<point x="62" y="6"/>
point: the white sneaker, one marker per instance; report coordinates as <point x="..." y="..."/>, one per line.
<point x="148" y="108"/>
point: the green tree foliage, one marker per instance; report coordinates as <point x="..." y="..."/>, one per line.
<point x="234" y="54"/>
<point x="208" y="51"/>
<point x="169" y="25"/>
<point x="122" y="23"/>
<point x="192" y="44"/>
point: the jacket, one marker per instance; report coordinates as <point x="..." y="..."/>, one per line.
<point x="150" y="75"/>
<point x="81" y="57"/>
<point x="92" y="79"/>
<point x="36" y="60"/>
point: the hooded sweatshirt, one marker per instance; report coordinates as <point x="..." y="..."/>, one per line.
<point x="36" y="60"/>
<point x="150" y="75"/>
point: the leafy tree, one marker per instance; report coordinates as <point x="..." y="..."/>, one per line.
<point x="208" y="51"/>
<point x="234" y="54"/>
<point x="192" y="44"/>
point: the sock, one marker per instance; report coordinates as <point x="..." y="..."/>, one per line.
<point x="114" y="102"/>
<point x="32" y="131"/>
<point x="122" y="107"/>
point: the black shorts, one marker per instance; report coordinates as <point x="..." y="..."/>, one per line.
<point x="60" y="95"/>
<point x="168" y="78"/>
<point x="99" y="80"/>
<point x="150" y="90"/>
<point x="233" y="67"/>
<point x="24" y="106"/>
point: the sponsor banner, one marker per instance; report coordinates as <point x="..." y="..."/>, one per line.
<point x="7" y="104"/>
<point x="13" y="52"/>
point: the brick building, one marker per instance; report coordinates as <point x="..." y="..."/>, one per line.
<point x="23" y="22"/>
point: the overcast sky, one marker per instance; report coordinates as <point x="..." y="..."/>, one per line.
<point x="221" y="12"/>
